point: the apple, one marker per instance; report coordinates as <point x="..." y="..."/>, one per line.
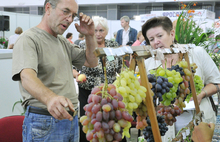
<point x="82" y="77"/>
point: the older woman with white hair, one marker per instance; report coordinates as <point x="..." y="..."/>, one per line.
<point x="95" y="76"/>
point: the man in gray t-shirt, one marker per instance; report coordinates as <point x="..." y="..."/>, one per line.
<point x="42" y="63"/>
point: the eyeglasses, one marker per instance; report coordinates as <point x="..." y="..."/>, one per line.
<point x="68" y="14"/>
<point x="101" y="31"/>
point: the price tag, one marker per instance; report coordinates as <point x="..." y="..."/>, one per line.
<point x="127" y="49"/>
<point x="187" y="132"/>
<point x="176" y="50"/>
<point x="192" y="45"/>
<point x="119" y="51"/>
<point x="184" y="135"/>
<point x="110" y="58"/>
<point x="167" y="50"/>
<point x="109" y="51"/>
<point x="186" y="47"/>
<point x="182" y="49"/>
<point x="159" y="55"/>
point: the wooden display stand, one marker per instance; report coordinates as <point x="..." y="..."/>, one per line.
<point x="140" y="54"/>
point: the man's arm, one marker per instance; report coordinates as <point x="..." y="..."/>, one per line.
<point x="87" y="28"/>
<point x="55" y="104"/>
<point x="91" y="59"/>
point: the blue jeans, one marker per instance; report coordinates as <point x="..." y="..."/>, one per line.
<point x="43" y="128"/>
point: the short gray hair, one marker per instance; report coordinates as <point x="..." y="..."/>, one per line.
<point x="102" y="21"/>
<point x="126" y="18"/>
<point x="52" y="2"/>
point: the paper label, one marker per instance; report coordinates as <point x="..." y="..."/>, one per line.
<point x="167" y="50"/>
<point x="184" y="135"/>
<point x="187" y="132"/>
<point x="176" y="50"/>
<point x="109" y="51"/>
<point x="192" y="45"/>
<point x="110" y="58"/>
<point x="186" y="48"/>
<point x="127" y="49"/>
<point x="182" y="49"/>
<point x="119" y="51"/>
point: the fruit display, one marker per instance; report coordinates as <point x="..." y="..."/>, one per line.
<point x="106" y="118"/>
<point x="148" y="134"/>
<point x="160" y="86"/>
<point x="110" y="107"/>
<point x="174" y="78"/>
<point x="198" y="86"/>
<point x="131" y="90"/>
<point x="141" y="112"/>
<point x="169" y="113"/>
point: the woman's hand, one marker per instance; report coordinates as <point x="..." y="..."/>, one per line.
<point x="203" y="132"/>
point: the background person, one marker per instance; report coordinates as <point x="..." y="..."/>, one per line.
<point x="95" y="76"/>
<point x="42" y="63"/>
<point x="69" y="37"/>
<point x="217" y="44"/>
<point x="13" y="38"/>
<point x="159" y="33"/>
<point x="81" y="38"/>
<point x="127" y="33"/>
<point x="140" y="39"/>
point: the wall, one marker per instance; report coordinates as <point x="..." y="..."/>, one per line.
<point x="25" y="21"/>
<point x="9" y="90"/>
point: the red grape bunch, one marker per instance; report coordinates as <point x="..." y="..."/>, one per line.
<point x="106" y="118"/>
<point x="169" y="113"/>
<point x="141" y="112"/>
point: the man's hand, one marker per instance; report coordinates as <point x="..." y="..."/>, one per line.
<point x="86" y="26"/>
<point x="56" y="106"/>
<point x="203" y="132"/>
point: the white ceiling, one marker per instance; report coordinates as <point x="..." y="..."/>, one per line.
<point x="22" y="3"/>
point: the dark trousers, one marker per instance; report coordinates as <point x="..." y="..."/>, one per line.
<point x="83" y="97"/>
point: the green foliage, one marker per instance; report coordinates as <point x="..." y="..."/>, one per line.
<point x="18" y="102"/>
<point x="4" y="42"/>
<point x="216" y="58"/>
<point x="187" y="31"/>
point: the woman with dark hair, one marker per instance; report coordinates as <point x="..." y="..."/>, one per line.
<point x="69" y="37"/>
<point x="159" y="33"/>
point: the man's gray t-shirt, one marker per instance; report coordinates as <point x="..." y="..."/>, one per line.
<point x="52" y="59"/>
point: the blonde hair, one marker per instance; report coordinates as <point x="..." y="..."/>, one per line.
<point x="139" y="34"/>
<point x="18" y="30"/>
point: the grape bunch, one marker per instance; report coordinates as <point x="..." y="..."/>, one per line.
<point x="147" y="132"/>
<point x="174" y="78"/>
<point x="198" y="85"/>
<point x="129" y="87"/>
<point x="193" y="67"/>
<point x="169" y="113"/>
<point x="183" y="86"/>
<point x="141" y="112"/>
<point x="106" y="118"/>
<point x="160" y="86"/>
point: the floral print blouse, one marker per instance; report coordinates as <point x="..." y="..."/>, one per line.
<point x="95" y="76"/>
